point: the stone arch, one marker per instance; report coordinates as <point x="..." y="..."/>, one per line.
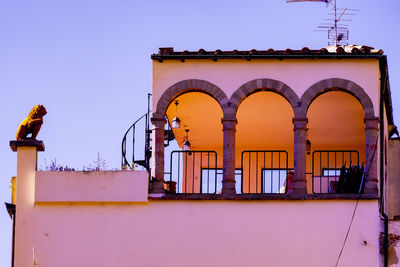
<point x="158" y="121"/>
<point x="272" y="85"/>
<point x="192" y="85"/>
<point x="336" y="84"/>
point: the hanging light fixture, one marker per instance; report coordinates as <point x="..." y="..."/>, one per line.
<point x="186" y="145"/>
<point x="176" y="122"/>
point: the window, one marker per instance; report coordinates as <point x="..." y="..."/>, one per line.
<point x="211" y="180"/>
<point x="274" y="180"/>
<point x="330" y="172"/>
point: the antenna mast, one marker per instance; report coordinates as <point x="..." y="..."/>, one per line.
<point x="341" y="33"/>
<point x="336" y="21"/>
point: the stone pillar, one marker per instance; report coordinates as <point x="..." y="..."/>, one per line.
<point x="371" y="155"/>
<point x="299" y="155"/>
<point x="228" y="181"/>
<point x="157" y="165"/>
<point x="25" y="202"/>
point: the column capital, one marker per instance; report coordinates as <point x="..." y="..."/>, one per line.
<point x="229" y="119"/>
<point x="371" y="119"/>
<point x="295" y="119"/>
<point x="371" y="123"/>
<point x="14" y="144"/>
<point x="300" y="123"/>
<point x="157" y="121"/>
<point x="229" y="124"/>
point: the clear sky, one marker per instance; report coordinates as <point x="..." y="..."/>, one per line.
<point x="88" y="62"/>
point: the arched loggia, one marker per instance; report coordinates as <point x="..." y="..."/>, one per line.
<point x="263" y="84"/>
<point x="371" y="124"/>
<point x="158" y="121"/>
<point x="336" y="84"/>
<point x="251" y="87"/>
<point x="187" y="86"/>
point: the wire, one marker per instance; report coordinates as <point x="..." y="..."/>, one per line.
<point x="358" y="200"/>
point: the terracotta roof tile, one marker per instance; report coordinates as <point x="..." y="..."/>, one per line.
<point x="329" y="51"/>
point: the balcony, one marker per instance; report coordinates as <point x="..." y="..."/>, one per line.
<point x="263" y="140"/>
<point x="264" y="172"/>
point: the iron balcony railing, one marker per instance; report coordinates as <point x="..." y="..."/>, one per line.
<point x="193" y="172"/>
<point x="265" y="171"/>
<point x="336" y="171"/>
<point x="261" y="172"/>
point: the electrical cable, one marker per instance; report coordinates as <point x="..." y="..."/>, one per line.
<point x="358" y="200"/>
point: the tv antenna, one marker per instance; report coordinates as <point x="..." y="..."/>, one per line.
<point x="338" y="33"/>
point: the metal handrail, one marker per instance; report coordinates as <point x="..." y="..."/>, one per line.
<point x="209" y="158"/>
<point x="124" y="161"/>
<point x="282" y="165"/>
<point x="333" y="162"/>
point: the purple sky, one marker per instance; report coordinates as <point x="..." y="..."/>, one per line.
<point x="88" y="62"/>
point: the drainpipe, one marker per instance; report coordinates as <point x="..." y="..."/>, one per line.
<point x="383" y="64"/>
<point x="385" y="239"/>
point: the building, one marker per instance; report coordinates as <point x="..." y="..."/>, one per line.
<point x="287" y="159"/>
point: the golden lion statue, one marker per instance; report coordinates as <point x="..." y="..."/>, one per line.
<point x="32" y="124"/>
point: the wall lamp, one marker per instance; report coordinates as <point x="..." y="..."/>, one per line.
<point x="308" y="146"/>
<point x="176" y="122"/>
<point x="186" y="145"/>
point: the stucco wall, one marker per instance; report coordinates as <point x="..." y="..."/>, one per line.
<point x="97" y="186"/>
<point x="393" y="183"/>
<point x="65" y="229"/>
<point x="299" y="75"/>
<point x="65" y="190"/>
<point x="205" y="233"/>
<point x="394" y="245"/>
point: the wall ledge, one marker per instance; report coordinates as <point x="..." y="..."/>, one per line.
<point x="32" y="143"/>
<point x="267" y="197"/>
<point x="88" y="203"/>
<point x="94" y="187"/>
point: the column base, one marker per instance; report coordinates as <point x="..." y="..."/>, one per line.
<point x="157" y="186"/>
<point x="299" y="187"/>
<point x="371" y="186"/>
<point x="228" y="192"/>
<point x="370" y="190"/>
<point x="228" y="188"/>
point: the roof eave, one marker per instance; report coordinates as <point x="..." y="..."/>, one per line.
<point x="160" y="58"/>
<point x="385" y="86"/>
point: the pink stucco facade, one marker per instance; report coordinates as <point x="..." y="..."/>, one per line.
<point x="63" y="220"/>
<point x="298" y="74"/>
<point x="205" y="233"/>
<point x="231" y="107"/>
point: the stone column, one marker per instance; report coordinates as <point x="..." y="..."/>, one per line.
<point x="371" y="155"/>
<point x="157" y="165"/>
<point x="228" y="181"/>
<point x="25" y="203"/>
<point x="299" y="155"/>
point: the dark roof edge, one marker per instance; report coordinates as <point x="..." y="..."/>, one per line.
<point x="160" y="58"/>
<point x="385" y="86"/>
